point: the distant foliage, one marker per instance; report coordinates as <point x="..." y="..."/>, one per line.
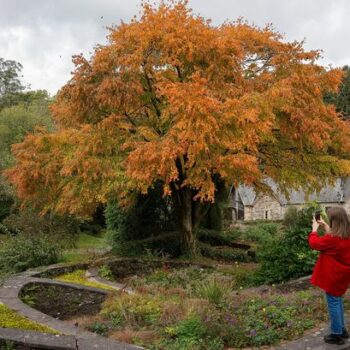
<point x="166" y="244"/>
<point x="18" y="120"/>
<point x="7" y="199"/>
<point x="342" y="99"/>
<point x="289" y="217"/>
<point x="289" y="256"/>
<point x="151" y="215"/>
<point x="63" y="229"/>
<point x="22" y="252"/>
<point x="22" y="113"/>
<point x="260" y="232"/>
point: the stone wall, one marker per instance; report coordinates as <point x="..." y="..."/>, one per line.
<point x="276" y="211"/>
<point x="265" y="207"/>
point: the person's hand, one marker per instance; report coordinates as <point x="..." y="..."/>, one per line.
<point x="315" y="225"/>
<point x="324" y="224"/>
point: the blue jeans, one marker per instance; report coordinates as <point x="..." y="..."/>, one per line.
<point x="336" y="313"/>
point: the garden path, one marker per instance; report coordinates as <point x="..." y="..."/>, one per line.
<point x="73" y="337"/>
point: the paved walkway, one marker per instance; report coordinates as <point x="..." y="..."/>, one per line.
<point x="314" y="341"/>
<point x="9" y="295"/>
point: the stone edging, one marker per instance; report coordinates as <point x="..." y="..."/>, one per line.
<point x="9" y="295"/>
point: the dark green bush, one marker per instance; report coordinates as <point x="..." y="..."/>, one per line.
<point x="289" y="217"/>
<point x="4" y="230"/>
<point x="225" y="253"/>
<point x="218" y="238"/>
<point x="22" y="252"/>
<point x="7" y="199"/>
<point x="150" y="216"/>
<point x="289" y="256"/>
<point x="191" y="333"/>
<point x="62" y="229"/>
<point x="165" y="244"/>
<point x="260" y="232"/>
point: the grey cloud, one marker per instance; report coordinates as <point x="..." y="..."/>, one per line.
<point x="44" y="34"/>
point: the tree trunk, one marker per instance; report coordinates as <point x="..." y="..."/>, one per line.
<point x="189" y="213"/>
<point x="187" y="235"/>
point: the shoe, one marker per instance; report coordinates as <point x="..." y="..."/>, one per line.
<point x="334" y="339"/>
<point x="345" y="334"/>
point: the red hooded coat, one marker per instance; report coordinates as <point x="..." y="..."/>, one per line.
<point x="332" y="270"/>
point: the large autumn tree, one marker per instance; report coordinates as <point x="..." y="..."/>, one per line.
<point x="174" y="99"/>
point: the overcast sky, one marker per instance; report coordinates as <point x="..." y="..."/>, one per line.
<point x="44" y="34"/>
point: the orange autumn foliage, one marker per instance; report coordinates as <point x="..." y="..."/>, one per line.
<point x="172" y="97"/>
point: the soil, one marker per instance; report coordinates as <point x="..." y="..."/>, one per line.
<point x="62" y="302"/>
<point x="131" y="267"/>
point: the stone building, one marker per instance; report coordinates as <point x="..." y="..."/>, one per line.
<point x="247" y="204"/>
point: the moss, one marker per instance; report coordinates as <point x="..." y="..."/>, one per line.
<point x="78" y="277"/>
<point x="11" y="319"/>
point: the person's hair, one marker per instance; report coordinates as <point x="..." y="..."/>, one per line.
<point x="339" y="222"/>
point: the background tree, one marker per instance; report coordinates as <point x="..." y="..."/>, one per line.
<point x="20" y="113"/>
<point x="30" y="111"/>
<point x="172" y="99"/>
<point x="10" y="83"/>
<point x="342" y="99"/>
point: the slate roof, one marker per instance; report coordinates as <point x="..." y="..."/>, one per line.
<point x="339" y="192"/>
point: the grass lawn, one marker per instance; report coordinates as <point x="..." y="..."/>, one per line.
<point x="87" y="248"/>
<point x="92" y="241"/>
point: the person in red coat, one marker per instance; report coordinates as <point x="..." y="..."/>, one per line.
<point x="332" y="269"/>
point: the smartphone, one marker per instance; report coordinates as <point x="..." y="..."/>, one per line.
<point x="318" y="215"/>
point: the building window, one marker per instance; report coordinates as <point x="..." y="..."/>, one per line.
<point x="266" y="214"/>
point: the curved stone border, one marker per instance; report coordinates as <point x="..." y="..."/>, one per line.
<point x="36" y="339"/>
<point x="9" y="295"/>
<point x="93" y="276"/>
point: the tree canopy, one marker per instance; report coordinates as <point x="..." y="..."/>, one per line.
<point x="175" y="99"/>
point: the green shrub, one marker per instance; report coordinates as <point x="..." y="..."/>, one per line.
<point x="98" y="328"/>
<point x="191" y="334"/>
<point x="133" y="309"/>
<point x="165" y="244"/>
<point x="106" y="272"/>
<point x="62" y="229"/>
<point x="150" y="215"/>
<point x="191" y="327"/>
<point x="265" y="320"/>
<point x="260" y="232"/>
<point x="225" y="253"/>
<point x="7" y="198"/>
<point x="289" y="217"/>
<point x="23" y="252"/>
<point x="213" y="237"/>
<point x="4" y="230"/>
<point x="288" y="256"/>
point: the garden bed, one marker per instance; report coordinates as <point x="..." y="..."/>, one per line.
<point x="176" y="305"/>
<point x="62" y="302"/>
<point x="125" y="267"/>
<point x="205" y="314"/>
